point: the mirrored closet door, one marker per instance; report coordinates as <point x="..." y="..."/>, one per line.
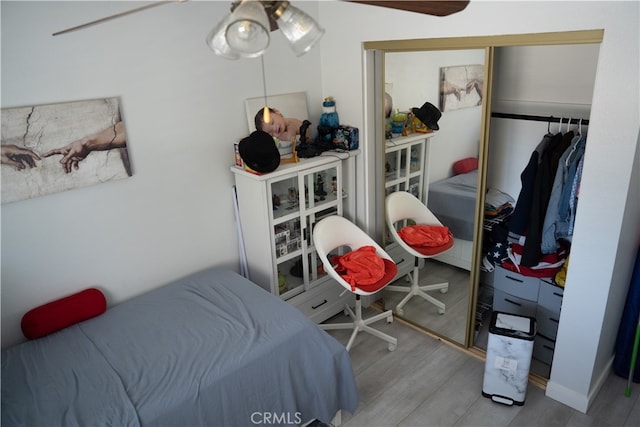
<point x="475" y="151"/>
<point x="422" y="163"/>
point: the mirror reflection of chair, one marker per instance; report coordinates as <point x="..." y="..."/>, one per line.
<point x="401" y="206"/>
<point x="333" y="233"/>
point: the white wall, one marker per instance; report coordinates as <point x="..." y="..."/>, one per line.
<point x="526" y="84"/>
<point x="183" y="108"/>
<point x="580" y="358"/>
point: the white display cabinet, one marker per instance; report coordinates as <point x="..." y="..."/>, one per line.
<point x="406" y="169"/>
<point x="406" y="164"/>
<point x="277" y="213"/>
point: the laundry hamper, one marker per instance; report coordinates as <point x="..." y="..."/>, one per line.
<point x="509" y="351"/>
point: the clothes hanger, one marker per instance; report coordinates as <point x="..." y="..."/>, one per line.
<point x="580" y="127"/>
<point x="575" y="144"/>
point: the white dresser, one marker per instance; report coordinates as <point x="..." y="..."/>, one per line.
<point x="277" y="212"/>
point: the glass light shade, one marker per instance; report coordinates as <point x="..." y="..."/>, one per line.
<point x="300" y="29"/>
<point x="218" y="42"/>
<point x="248" y="29"/>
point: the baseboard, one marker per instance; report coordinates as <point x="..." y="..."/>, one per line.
<point x="571" y="398"/>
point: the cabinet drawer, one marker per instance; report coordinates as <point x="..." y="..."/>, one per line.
<point x="323" y="301"/>
<point x="550" y="296"/>
<point x="547" y="322"/>
<point x="543" y="349"/>
<point x="404" y="261"/>
<point x="516" y="284"/>
<point x="507" y="303"/>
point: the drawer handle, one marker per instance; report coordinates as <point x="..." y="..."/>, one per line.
<point x="321" y="304"/>
<point x="554" y="320"/>
<point x="548" y="348"/>
<point x="514" y="279"/>
<point x="513" y="302"/>
<point x="557" y="294"/>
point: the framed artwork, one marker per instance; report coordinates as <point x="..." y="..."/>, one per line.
<point x="289" y="104"/>
<point x="461" y="87"/>
<point x="56" y="147"/>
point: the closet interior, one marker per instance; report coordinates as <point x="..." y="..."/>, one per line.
<point x="540" y="106"/>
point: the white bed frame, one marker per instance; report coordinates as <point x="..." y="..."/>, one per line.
<point x="460" y="255"/>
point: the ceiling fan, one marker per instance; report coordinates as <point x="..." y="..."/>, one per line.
<point x="435" y="8"/>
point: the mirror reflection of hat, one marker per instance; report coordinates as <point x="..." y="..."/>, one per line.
<point x="259" y="152"/>
<point x="428" y="114"/>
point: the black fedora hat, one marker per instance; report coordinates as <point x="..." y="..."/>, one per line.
<point x="259" y="152"/>
<point x="428" y="114"/>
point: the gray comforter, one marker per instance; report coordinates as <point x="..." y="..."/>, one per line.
<point x="212" y="349"/>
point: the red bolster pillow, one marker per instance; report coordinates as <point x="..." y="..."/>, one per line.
<point x="465" y="165"/>
<point x="64" y="312"/>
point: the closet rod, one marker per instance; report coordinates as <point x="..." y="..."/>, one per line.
<point x="547" y="119"/>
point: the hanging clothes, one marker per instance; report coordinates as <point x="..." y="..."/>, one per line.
<point x="519" y="221"/>
<point x="542" y="191"/>
<point x="558" y="221"/>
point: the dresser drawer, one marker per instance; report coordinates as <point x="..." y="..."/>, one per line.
<point x="547" y="322"/>
<point x="322" y="301"/>
<point x="550" y="296"/>
<point x="507" y="303"/>
<point x="516" y="284"/>
<point x="543" y="349"/>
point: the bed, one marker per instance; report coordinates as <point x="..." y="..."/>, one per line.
<point x="453" y="201"/>
<point x="208" y="349"/>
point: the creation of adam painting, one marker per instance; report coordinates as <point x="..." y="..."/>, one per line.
<point x="56" y="147"/>
<point x="461" y="87"/>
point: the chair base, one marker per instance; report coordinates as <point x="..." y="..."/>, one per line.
<point x="362" y="325"/>
<point x="416" y="289"/>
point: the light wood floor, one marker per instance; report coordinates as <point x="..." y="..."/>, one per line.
<point x="453" y="323"/>
<point x="426" y="382"/>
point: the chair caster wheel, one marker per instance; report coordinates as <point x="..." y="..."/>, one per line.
<point x="390" y="319"/>
<point x="444" y="290"/>
<point x="392" y="347"/>
<point x="441" y="311"/>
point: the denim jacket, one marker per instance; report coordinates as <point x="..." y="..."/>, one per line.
<point x="558" y="221"/>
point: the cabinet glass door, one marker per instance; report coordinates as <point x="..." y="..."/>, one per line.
<point x="395" y="165"/>
<point x="322" y="198"/>
<point x="297" y="202"/>
<point x="288" y="237"/>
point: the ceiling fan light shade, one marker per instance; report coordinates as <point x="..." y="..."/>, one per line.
<point x="217" y="40"/>
<point x="301" y="30"/>
<point x="247" y="31"/>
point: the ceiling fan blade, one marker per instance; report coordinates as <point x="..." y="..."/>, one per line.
<point x="117" y="15"/>
<point x="437" y="8"/>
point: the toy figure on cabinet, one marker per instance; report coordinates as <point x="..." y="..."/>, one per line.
<point x="320" y="187"/>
